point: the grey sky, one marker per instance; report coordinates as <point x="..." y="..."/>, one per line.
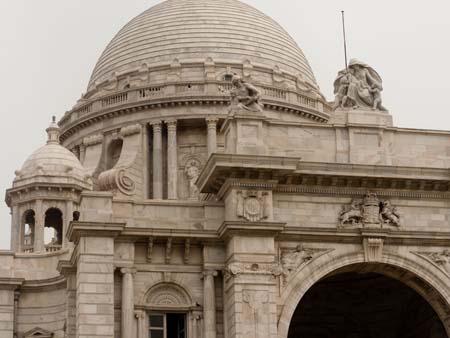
<point x="48" y="49"/>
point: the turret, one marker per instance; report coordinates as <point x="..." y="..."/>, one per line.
<point x="44" y="197"/>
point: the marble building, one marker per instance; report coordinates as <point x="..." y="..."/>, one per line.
<point x="203" y="187"/>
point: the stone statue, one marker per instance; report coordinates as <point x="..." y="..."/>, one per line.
<point x="245" y="95"/>
<point x="351" y="214"/>
<point x="359" y="86"/>
<point x="192" y="171"/>
<point x="389" y="213"/>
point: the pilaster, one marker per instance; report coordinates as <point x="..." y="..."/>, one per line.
<point x="172" y="160"/>
<point x="95" y="278"/>
<point x="157" y="160"/>
<point x="211" y="125"/>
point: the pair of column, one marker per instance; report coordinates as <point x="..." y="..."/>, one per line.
<point x="172" y="160"/>
<point x="172" y="155"/>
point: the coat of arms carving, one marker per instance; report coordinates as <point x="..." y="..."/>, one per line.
<point x="369" y="211"/>
<point x="252" y="205"/>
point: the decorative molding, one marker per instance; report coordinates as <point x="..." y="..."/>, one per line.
<point x="235" y="269"/>
<point x="93" y="140"/>
<point x="373" y="249"/>
<point x="116" y="179"/>
<point x="150" y="250"/>
<point x="167" y="295"/>
<point x="131" y="130"/>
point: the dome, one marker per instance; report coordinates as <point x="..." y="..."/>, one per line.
<point x="50" y="163"/>
<point x="192" y="30"/>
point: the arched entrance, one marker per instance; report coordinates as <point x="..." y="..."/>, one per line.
<point x="357" y="302"/>
<point x="423" y="279"/>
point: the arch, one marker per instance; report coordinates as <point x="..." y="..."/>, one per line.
<point x="54" y="220"/>
<point x="167" y="294"/>
<point x="27" y="230"/>
<point x="425" y="281"/>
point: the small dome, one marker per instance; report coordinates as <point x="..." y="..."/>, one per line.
<point x="51" y="163"/>
<point x="187" y="30"/>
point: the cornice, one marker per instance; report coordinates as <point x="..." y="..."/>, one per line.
<point x="291" y="175"/>
<point x="44" y="284"/>
<point x="93" y="229"/>
<point x="391" y="237"/>
<point x="256" y="229"/>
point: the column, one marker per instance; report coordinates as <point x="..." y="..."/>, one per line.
<point x="127" y="301"/>
<point x="16" y="312"/>
<point x="140" y="316"/>
<point x="172" y="160"/>
<point x="67" y="218"/>
<point x="16" y="224"/>
<point x="209" y="304"/>
<point x="157" y="161"/>
<point x="212" y="135"/>
<point x="39" y="218"/>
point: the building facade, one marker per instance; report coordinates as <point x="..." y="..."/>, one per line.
<point x="203" y="187"/>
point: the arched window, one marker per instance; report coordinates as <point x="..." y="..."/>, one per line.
<point x="113" y="154"/>
<point x="53" y="229"/>
<point x="28" y="231"/>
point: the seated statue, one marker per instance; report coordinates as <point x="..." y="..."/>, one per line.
<point x="245" y="95"/>
<point x="359" y="86"/>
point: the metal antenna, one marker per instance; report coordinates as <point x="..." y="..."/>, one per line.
<point x="345" y="40"/>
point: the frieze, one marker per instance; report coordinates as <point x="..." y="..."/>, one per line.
<point x="370" y="211"/>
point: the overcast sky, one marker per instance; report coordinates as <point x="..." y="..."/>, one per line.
<point x="48" y="49"/>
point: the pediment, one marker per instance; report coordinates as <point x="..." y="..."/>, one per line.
<point x="38" y="333"/>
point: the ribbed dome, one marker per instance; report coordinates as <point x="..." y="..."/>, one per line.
<point x="54" y="159"/>
<point x="225" y="30"/>
<point x="51" y="163"/>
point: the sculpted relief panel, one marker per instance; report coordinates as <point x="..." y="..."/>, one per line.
<point x="369" y="211"/>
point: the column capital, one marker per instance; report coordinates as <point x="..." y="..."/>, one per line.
<point x="156" y="125"/>
<point x="139" y="314"/>
<point x="125" y="271"/>
<point x="212" y="121"/>
<point x="212" y="273"/>
<point x="171" y="124"/>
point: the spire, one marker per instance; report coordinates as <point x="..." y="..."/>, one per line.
<point x="53" y="132"/>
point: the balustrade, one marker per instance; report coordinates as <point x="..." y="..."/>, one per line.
<point x="115" y="99"/>
<point x="213" y="88"/>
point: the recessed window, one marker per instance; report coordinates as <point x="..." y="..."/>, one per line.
<point x="228" y="77"/>
<point x="167" y="325"/>
<point x="114" y="151"/>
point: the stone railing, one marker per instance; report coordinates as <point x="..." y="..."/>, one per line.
<point x="192" y="89"/>
<point x="28" y="249"/>
<point x="53" y="247"/>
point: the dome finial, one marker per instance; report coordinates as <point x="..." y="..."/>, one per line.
<point x="53" y="132"/>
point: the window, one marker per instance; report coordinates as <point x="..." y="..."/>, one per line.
<point x="167" y="325"/>
<point x="114" y="151"/>
<point x="28" y="231"/>
<point x="53" y="229"/>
